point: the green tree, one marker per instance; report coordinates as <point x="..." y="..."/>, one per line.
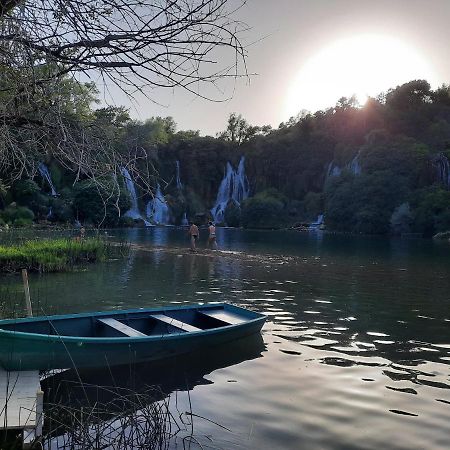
<point x="239" y="130"/>
<point x="265" y="210"/>
<point x="93" y="205"/>
<point x="431" y="209"/>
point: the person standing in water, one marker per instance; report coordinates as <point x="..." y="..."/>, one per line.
<point x="193" y="233"/>
<point x="212" y="236"/>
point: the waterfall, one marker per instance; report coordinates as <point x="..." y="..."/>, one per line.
<point x="157" y="209"/>
<point x="184" y="220"/>
<point x="332" y="171"/>
<point x="354" y="165"/>
<point x="317" y="223"/>
<point x="133" y="212"/>
<point x="442" y="166"/>
<point x="178" y="179"/>
<point x="43" y="170"/>
<point x="234" y="187"/>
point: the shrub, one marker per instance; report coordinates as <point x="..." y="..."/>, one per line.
<point x="431" y="209"/>
<point x="232" y="215"/>
<point x="21" y="222"/>
<point x="401" y="219"/>
<point x="90" y="207"/>
<point x="23" y="191"/>
<point x="313" y="204"/>
<point x="263" y="211"/>
<point x="126" y="222"/>
<point x="61" y="210"/>
<point x="13" y="213"/>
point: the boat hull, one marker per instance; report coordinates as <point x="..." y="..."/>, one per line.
<point x="31" y="351"/>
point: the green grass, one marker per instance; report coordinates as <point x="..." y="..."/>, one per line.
<point x="56" y="255"/>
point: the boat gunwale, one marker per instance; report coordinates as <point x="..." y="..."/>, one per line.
<point x="122" y="339"/>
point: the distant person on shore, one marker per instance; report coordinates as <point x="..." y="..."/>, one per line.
<point x="212" y="236"/>
<point x="193" y="233"/>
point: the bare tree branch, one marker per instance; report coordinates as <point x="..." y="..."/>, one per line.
<point x="136" y="44"/>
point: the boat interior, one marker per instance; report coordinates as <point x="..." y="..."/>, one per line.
<point x="135" y="324"/>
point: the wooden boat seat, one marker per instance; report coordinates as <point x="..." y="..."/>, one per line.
<point x="119" y="326"/>
<point x="174" y="322"/>
<point x="224" y="316"/>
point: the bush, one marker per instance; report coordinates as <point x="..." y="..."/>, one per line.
<point x="233" y="215"/>
<point x="61" y="210"/>
<point x="401" y="219"/>
<point x="126" y="222"/>
<point x="14" y="213"/>
<point x="23" y="191"/>
<point x="313" y="205"/>
<point x="431" y="209"/>
<point x="364" y="203"/>
<point x="91" y="208"/>
<point x="263" y="211"/>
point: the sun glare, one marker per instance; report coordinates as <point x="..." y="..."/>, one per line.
<point x="361" y="65"/>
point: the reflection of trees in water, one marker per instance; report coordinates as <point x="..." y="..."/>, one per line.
<point x="82" y="412"/>
<point x="125" y="273"/>
<point x="160" y="236"/>
<point x="227" y="276"/>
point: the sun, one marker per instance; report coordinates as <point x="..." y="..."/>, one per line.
<point x="363" y="65"/>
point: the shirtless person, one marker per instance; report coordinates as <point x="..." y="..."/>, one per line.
<point x="212" y="236"/>
<point x="193" y="233"/>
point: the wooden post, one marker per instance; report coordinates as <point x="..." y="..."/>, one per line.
<point x="27" y="293"/>
<point x="39" y="413"/>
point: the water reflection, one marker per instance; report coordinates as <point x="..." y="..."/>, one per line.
<point x="176" y="374"/>
<point x="358" y="339"/>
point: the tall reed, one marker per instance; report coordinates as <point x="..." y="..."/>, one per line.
<point x="52" y="255"/>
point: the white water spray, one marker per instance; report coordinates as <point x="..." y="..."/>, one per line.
<point x="43" y="170"/>
<point x="133" y="212"/>
<point x="157" y="209"/>
<point x="178" y="179"/>
<point x="233" y="188"/>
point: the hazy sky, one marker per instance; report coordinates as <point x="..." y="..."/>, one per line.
<point x="311" y="52"/>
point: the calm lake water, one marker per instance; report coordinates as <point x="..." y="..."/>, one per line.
<point x="355" y="353"/>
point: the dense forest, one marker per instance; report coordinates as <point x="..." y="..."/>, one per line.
<point x="378" y="168"/>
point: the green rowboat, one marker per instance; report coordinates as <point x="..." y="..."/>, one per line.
<point x="111" y="338"/>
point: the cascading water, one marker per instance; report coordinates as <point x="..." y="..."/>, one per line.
<point x="157" y="209"/>
<point x="133" y="212"/>
<point x="184" y="220"/>
<point x="333" y="170"/>
<point x="178" y="179"/>
<point x="316" y="225"/>
<point x="234" y="187"/>
<point x="43" y="170"/>
<point x="442" y="166"/>
<point x="354" y="165"/>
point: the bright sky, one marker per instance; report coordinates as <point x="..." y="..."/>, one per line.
<point x="309" y="53"/>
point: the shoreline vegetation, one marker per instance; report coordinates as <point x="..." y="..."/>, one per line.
<point x="382" y="168"/>
<point x="52" y="255"/>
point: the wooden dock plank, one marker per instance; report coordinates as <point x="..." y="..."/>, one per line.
<point x="18" y="393"/>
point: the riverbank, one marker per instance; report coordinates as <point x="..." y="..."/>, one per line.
<point x="52" y="255"/>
